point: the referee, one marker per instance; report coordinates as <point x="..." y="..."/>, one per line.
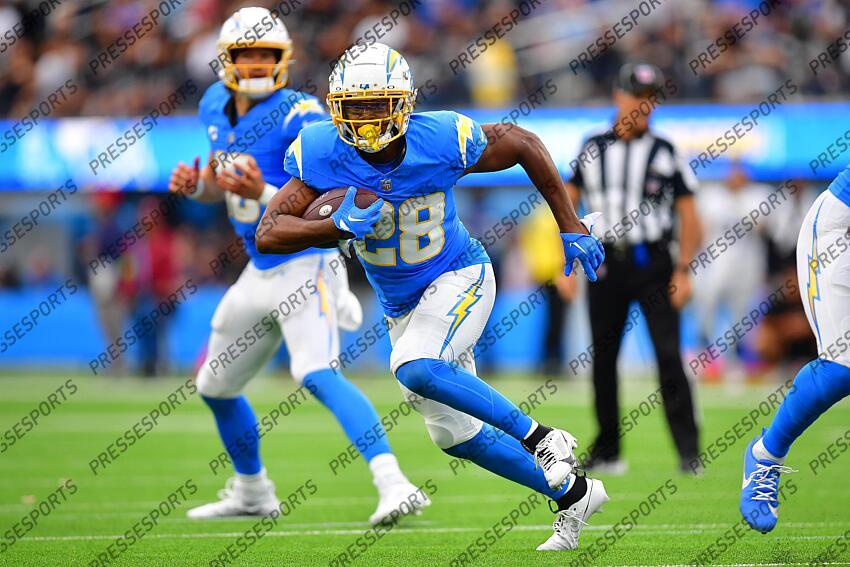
<point x="640" y="183"/>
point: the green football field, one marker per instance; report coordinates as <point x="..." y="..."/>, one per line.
<point x="675" y="527"/>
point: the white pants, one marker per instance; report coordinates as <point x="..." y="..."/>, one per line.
<point x="445" y="324"/>
<point x="294" y="302"/>
<point x="823" y="272"/>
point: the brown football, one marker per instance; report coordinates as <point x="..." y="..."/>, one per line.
<point x="325" y="205"/>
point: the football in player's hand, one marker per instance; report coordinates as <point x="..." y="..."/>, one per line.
<point x="325" y="205"/>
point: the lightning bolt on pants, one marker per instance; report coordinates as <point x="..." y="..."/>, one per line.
<point x="443" y="328"/>
<point x="432" y="359"/>
<point x="823" y="272"/>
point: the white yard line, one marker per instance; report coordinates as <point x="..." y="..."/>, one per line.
<point x="742" y="564"/>
<point x="669" y="531"/>
<point x="77" y="512"/>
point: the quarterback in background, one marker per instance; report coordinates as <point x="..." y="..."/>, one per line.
<point x="434" y="281"/>
<point x="823" y="273"/>
<point x="251" y="118"/>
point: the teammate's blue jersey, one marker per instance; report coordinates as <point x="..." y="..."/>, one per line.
<point x="419" y="236"/>
<point x="264" y="132"/>
<point x="840" y="186"/>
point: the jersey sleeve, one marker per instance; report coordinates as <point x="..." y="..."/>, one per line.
<point x="676" y="174"/>
<point x="205" y="106"/>
<point x="591" y="150"/>
<point x="293" y="161"/>
<point x="470" y="141"/>
<point x="578" y="168"/>
<point x="684" y="181"/>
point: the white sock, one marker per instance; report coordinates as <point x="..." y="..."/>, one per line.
<point x="385" y="471"/>
<point x="760" y="452"/>
<point x="252" y="479"/>
<point x="534" y="425"/>
<point x="253" y="488"/>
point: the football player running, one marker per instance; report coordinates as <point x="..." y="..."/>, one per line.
<point x="435" y="282"/>
<point x="823" y="273"/>
<point x="251" y="117"/>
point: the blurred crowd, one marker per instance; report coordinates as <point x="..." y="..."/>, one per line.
<point x="125" y="287"/>
<point x="186" y="246"/>
<point x="67" y="42"/>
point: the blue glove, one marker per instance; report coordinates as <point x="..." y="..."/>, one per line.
<point x="350" y="218"/>
<point x="585" y="248"/>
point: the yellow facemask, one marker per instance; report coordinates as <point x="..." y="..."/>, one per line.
<point x="277" y="74"/>
<point x="374" y="133"/>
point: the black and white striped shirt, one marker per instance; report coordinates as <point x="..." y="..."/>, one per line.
<point x="633" y="184"/>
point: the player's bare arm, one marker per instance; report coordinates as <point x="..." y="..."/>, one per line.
<point x="519" y="146"/>
<point x="283" y="231"/>
<point x="574" y="193"/>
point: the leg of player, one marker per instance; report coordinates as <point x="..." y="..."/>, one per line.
<point x="362" y="426"/>
<point x="503" y="455"/>
<point x="431" y="358"/>
<point x="220" y="381"/>
<point x="311" y="357"/>
<point x="421" y="364"/>
<point x="825" y="290"/>
<point x="453" y="386"/>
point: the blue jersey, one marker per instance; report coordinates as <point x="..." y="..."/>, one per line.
<point x="840" y="186"/>
<point x="264" y="132"/>
<point x="419" y="236"/>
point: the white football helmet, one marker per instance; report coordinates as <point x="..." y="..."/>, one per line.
<point x="251" y="28"/>
<point x="375" y="80"/>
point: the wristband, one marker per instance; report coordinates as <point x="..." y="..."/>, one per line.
<point x="199" y="189"/>
<point x="268" y="192"/>
<point x="683" y="268"/>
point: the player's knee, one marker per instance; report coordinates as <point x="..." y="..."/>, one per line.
<point x="305" y="364"/>
<point x="297" y="370"/>
<point x="447" y="433"/>
<point x="416" y="375"/>
<point x="211" y="386"/>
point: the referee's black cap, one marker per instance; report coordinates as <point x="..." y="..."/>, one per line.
<point x="639" y="78"/>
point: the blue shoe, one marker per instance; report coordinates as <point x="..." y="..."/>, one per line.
<point x="760" y="490"/>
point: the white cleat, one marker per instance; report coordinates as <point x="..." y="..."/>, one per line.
<point x="397" y="501"/>
<point x="239" y="498"/>
<point x="568" y="523"/>
<point x="554" y="454"/>
<point x="349" y="312"/>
